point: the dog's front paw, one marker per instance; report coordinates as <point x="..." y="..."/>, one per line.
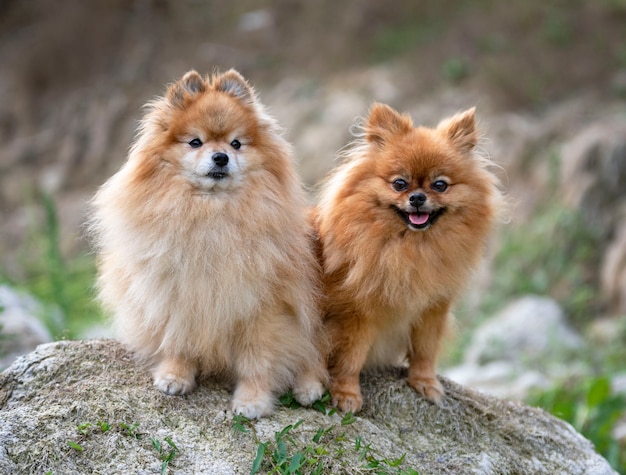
<point x="252" y="403"/>
<point x="174" y="376"/>
<point x="308" y="390"/>
<point x="306" y="393"/>
<point x="173" y="384"/>
<point x="430" y="388"/>
<point x="253" y="409"/>
<point x="347" y="400"/>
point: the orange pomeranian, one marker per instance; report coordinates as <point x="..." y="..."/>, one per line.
<point x="205" y="255"/>
<point x="402" y="223"/>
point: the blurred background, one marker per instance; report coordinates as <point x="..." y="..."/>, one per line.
<point x="544" y="321"/>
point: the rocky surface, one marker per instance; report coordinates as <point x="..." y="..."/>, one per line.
<point x="76" y="407"/>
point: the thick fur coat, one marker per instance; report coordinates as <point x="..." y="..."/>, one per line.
<point x="205" y="254"/>
<point x="403" y="222"/>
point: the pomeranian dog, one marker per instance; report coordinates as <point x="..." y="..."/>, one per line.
<point x="402" y="223"/>
<point x="206" y="259"/>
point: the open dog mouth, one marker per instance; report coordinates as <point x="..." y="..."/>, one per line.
<point x="418" y="219"/>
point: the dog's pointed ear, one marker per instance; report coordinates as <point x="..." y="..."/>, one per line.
<point x="383" y="122"/>
<point x="460" y="129"/>
<point x="188" y="86"/>
<point x="234" y="84"/>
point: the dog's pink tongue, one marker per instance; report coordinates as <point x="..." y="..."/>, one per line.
<point x="418" y="218"/>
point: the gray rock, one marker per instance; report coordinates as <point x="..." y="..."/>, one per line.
<point x="499" y="378"/>
<point x="525" y="346"/>
<point x="46" y="395"/>
<point x="20" y="328"/>
<point x="529" y="330"/>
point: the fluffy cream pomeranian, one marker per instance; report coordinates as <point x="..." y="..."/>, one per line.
<point x="206" y="259"/>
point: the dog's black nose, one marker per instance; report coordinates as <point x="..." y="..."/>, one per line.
<point x="220" y="159"/>
<point x="417" y="199"/>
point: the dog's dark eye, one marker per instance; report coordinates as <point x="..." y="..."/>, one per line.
<point x="439" y="186"/>
<point x="399" y="184"/>
<point x="195" y="143"/>
<point x="236" y="144"/>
